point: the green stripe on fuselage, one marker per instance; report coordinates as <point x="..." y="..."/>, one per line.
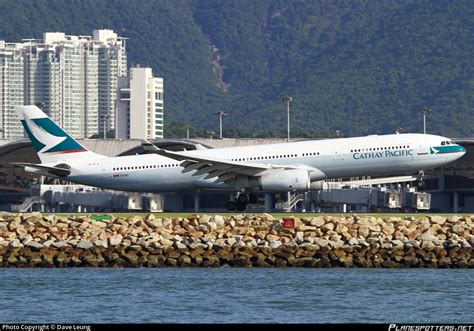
<point x="447" y="149"/>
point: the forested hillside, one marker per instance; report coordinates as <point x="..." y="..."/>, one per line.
<point x="356" y="66"/>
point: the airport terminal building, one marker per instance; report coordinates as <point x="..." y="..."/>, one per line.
<point x="451" y="188"/>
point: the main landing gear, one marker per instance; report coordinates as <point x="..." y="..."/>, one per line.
<point x="420" y="183"/>
<point x="240" y="201"/>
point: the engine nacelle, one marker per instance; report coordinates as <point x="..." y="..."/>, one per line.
<point x="286" y="180"/>
<point x="317" y="186"/>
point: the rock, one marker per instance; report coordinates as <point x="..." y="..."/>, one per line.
<point x="100" y="243"/>
<point x="218" y="220"/>
<point x="299" y="235"/>
<point x="84" y="225"/>
<point x="459" y="229"/>
<point x="154" y="223"/>
<point x="375" y="228"/>
<point x="452" y="219"/>
<point x="437" y="219"/>
<point x="327" y="227"/>
<point x="115" y="240"/>
<point x="204" y="219"/>
<point x="211" y="226"/>
<point x="268" y="217"/>
<point x="321" y="242"/>
<point x="184" y="260"/>
<point x="427" y="237"/>
<point x="34" y="216"/>
<point x="428" y="245"/>
<point x="20" y="230"/>
<point x="398" y="243"/>
<point x="63" y="226"/>
<point x="390" y="264"/>
<point x="48" y="243"/>
<point x="150" y="217"/>
<point x="99" y="224"/>
<point x="166" y="242"/>
<point x="231" y="241"/>
<point x="25" y="239"/>
<point x="60" y="244"/>
<point x="134" y="219"/>
<point x="275" y="243"/>
<point x="388" y="229"/>
<point x="84" y="244"/>
<point x="353" y="241"/>
<point x="317" y="221"/>
<point x="15" y="243"/>
<point x="364" y="231"/>
<point x="34" y="244"/>
<point x="197" y="234"/>
<point x="334" y="237"/>
<point x="471" y="240"/>
<point x="270" y="237"/>
<point x="336" y="244"/>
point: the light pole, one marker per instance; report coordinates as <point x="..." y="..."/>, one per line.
<point x="187" y="127"/>
<point x="105" y="118"/>
<point x="424" y="110"/>
<point x="287" y="99"/>
<point x="220" y="113"/>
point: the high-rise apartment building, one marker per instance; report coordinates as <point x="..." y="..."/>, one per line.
<point x="75" y="77"/>
<point x="140" y="105"/>
<point x="11" y="89"/>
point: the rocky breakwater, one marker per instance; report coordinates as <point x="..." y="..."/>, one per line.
<point x="36" y="240"/>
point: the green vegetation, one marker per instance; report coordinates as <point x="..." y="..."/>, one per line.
<point x="358" y="66"/>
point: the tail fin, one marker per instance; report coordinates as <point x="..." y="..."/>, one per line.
<point x="49" y="140"/>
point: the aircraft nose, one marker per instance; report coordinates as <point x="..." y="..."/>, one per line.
<point x="462" y="149"/>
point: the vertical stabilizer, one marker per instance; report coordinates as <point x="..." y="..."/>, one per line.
<point x="49" y="140"/>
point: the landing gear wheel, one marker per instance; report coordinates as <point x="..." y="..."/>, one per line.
<point x="241" y="206"/>
<point x="421" y="184"/>
<point x="231" y="205"/>
<point x="252" y="198"/>
<point x="243" y="198"/>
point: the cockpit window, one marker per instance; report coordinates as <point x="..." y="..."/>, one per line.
<point x="443" y="143"/>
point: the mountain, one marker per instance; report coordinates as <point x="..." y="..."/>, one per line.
<point x="356" y="66"/>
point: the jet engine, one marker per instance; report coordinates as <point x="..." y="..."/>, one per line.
<point x="286" y="180"/>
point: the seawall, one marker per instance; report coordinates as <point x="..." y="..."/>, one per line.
<point x="36" y="240"/>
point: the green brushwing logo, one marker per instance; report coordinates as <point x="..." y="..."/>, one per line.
<point x="47" y="137"/>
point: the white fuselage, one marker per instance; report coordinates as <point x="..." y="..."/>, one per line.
<point x="342" y="157"/>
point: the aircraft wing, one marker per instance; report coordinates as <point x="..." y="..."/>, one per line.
<point x="43" y="170"/>
<point x="221" y="169"/>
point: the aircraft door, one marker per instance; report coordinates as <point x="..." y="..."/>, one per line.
<point x="338" y="152"/>
<point x="106" y="173"/>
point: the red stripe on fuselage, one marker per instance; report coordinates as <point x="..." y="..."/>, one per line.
<point x="71" y="151"/>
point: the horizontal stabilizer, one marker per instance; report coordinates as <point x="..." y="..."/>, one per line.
<point x="44" y="170"/>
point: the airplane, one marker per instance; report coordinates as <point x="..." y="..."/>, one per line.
<point x="286" y="167"/>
